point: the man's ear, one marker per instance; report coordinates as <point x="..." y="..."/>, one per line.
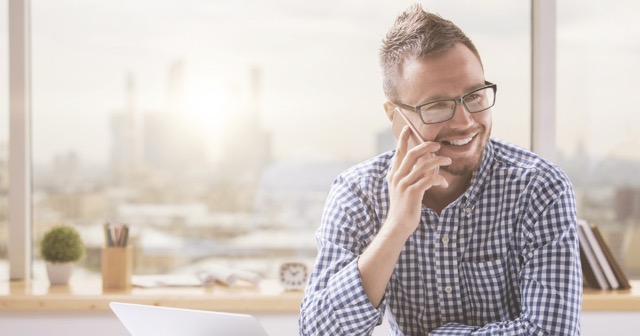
<point x="389" y="108"/>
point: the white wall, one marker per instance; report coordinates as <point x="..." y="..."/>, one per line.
<point x="104" y="323"/>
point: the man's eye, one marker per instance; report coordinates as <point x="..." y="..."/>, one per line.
<point x="472" y="97"/>
<point x="437" y="106"/>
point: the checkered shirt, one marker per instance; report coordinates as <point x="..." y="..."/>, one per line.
<point x="502" y="259"/>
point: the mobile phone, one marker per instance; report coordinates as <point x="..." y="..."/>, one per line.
<point x="416" y="134"/>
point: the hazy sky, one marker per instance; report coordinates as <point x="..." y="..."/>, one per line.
<point x="321" y="86"/>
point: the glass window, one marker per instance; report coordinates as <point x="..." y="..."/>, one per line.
<point x="597" y="137"/>
<point x="215" y="128"/>
<point x="4" y="139"/>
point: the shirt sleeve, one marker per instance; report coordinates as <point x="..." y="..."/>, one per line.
<point x="551" y="275"/>
<point x="335" y="302"/>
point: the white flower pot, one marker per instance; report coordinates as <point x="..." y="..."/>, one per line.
<point x="59" y="273"/>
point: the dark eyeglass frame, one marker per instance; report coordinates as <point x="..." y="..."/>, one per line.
<point x="456" y="101"/>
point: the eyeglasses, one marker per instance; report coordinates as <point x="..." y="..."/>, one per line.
<point x="438" y="111"/>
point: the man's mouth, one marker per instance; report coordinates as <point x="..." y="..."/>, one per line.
<point x="458" y="142"/>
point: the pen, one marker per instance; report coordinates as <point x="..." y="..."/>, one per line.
<point x="116" y="235"/>
<point x="107" y="234"/>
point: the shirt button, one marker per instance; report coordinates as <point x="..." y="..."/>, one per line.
<point x="445" y="239"/>
<point x="448" y="289"/>
<point x="467" y="211"/>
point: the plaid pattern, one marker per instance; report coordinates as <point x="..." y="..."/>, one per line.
<point x="502" y="259"/>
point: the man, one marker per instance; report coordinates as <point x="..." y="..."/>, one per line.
<point x="459" y="235"/>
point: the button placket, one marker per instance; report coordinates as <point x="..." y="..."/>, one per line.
<point x="446" y="264"/>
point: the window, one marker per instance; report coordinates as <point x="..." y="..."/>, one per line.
<point x="215" y="128"/>
<point x="597" y="141"/>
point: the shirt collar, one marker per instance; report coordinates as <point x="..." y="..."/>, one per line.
<point x="469" y="197"/>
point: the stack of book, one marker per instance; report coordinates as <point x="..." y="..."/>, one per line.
<point x="599" y="268"/>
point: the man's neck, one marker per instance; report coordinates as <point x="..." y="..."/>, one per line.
<point x="438" y="198"/>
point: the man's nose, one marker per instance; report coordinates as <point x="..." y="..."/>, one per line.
<point x="461" y="117"/>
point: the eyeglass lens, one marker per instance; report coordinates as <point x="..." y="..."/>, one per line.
<point x="475" y="101"/>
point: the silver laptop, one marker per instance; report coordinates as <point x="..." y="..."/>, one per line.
<point x="143" y="320"/>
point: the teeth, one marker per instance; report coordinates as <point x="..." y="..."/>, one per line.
<point x="460" y="142"/>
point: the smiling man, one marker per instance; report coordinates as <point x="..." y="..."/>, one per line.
<point x="453" y="232"/>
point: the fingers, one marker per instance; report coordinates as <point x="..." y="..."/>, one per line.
<point x="423" y="180"/>
<point x="411" y="174"/>
<point x="421" y="157"/>
<point x="421" y="174"/>
<point x="401" y="151"/>
<point x="414" y="168"/>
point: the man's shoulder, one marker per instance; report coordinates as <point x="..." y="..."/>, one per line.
<point x="374" y="168"/>
<point x="508" y="155"/>
<point x="513" y="155"/>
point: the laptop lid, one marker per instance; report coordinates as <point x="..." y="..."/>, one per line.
<point x="143" y="320"/>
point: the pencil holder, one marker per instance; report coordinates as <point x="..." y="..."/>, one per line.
<point x="117" y="265"/>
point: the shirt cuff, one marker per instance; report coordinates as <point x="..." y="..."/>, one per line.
<point x="351" y="305"/>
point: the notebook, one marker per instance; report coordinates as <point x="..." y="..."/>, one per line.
<point x="143" y="320"/>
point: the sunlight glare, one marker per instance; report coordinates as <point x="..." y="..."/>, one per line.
<point x="208" y="107"/>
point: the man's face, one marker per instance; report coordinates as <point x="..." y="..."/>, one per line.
<point x="445" y="75"/>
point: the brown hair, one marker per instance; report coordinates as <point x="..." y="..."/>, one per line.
<point x="416" y="33"/>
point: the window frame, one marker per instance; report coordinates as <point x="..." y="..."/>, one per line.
<point x="19" y="203"/>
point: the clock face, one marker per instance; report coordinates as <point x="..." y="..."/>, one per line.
<point x="293" y="275"/>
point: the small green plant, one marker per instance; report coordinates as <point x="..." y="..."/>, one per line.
<point x="62" y="243"/>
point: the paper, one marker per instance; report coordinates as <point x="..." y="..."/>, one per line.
<point x="223" y="276"/>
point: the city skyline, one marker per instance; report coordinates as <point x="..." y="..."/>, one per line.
<point x="95" y="46"/>
<point x="317" y="102"/>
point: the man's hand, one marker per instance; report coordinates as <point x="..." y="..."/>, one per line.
<point x="411" y="175"/>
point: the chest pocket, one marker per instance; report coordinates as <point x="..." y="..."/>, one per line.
<point x="489" y="291"/>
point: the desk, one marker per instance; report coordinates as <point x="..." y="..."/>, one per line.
<point x="269" y="297"/>
<point x="35" y="308"/>
<point x="612" y="300"/>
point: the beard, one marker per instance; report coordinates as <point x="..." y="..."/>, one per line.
<point x="466" y="166"/>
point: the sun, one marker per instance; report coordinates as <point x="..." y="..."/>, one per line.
<point x="208" y="108"/>
<point x="209" y="105"/>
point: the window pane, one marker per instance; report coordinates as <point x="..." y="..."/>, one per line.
<point x="597" y="137"/>
<point x="215" y="128"/>
<point x="4" y="139"/>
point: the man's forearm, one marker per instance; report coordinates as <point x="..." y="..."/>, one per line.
<point x="340" y="308"/>
<point x="377" y="262"/>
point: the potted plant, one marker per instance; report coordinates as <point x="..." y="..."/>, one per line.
<point x="61" y="247"/>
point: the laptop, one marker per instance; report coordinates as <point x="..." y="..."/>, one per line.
<point x="143" y="320"/>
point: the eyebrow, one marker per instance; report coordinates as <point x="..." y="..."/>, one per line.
<point x="439" y="98"/>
